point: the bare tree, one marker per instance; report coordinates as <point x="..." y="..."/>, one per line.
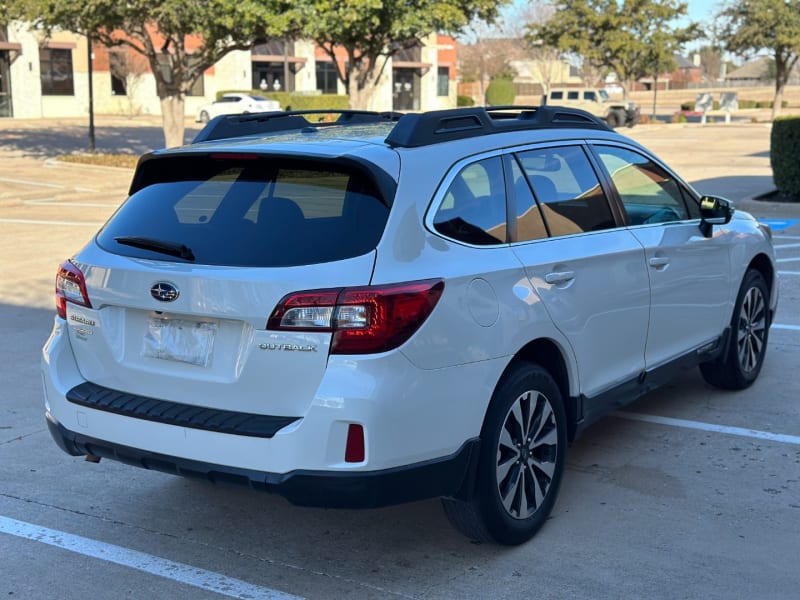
<point x="546" y="61"/>
<point x="130" y="69"/>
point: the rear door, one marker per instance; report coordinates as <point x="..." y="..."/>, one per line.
<point x="183" y="279"/>
<point x="589" y="273"/>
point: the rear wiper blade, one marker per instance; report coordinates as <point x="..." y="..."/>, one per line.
<point x="164" y="247"/>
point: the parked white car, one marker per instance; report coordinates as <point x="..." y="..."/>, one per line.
<point x="234" y="104"/>
<point x="373" y="311"/>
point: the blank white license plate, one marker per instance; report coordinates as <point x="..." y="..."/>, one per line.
<point x="179" y="340"/>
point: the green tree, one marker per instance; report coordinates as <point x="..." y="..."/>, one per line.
<point x="370" y="32"/>
<point x="774" y="25"/>
<point x="628" y="37"/>
<point x="179" y="39"/>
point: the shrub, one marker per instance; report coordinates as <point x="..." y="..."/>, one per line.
<point x="465" y="101"/>
<point x="298" y="101"/>
<point x="784" y="155"/>
<point x="500" y="92"/>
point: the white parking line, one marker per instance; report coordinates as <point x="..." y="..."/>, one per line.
<point x="786" y="237"/>
<point x="783" y="260"/>
<point x="68" y="204"/>
<point x="66" y="223"/>
<point x="784" y="246"/>
<point x="752" y="433"/>
<point x="787" y="327"/>
<point x="34" y="183"/>
<point x="788" y="272"/>
<point x="161" y="567"/>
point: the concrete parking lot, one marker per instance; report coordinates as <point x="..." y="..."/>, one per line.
<point x="690" y="492"/>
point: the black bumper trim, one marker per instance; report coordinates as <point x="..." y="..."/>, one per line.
<point x="451" y="476"/>
<point x="102" y="398"/>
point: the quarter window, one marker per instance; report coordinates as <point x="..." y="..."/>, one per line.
<point x="567" y="189"/>
<point x="474" y="207"/>
<point x="648" y="193"/>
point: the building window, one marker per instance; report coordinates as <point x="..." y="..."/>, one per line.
<point x="327" y="77"/>
<point x="118" y="68"/>
<point x="443" y="81"/>
<point x="55" y="66"/>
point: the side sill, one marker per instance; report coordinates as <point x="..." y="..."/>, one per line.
<point x="595" y="408"/>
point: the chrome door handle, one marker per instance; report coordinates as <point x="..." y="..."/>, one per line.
<point x="659" y="262"/>
<point x="560" y="277"/>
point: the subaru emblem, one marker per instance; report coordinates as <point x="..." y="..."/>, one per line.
<point x="164" y="291"/>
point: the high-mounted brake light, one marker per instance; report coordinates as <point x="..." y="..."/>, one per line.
<point x="363" y="320"/>
<point x="233" y="156"/>
<point x="70" y="287"/>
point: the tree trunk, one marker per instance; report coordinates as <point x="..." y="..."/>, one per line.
<point x="172" y="115"/>
<point x="361" y="87"/>
<point x="777" y="100"/>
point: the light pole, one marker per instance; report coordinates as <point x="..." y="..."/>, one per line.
<point x="92" y="146"/>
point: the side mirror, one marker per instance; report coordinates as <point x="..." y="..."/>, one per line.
<point x="714" y="211"/>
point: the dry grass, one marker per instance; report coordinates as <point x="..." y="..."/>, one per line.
<point x="127" y="161"/>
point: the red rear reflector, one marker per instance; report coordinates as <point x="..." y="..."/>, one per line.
<point x="354" y="451"/>
<point x="70" y="287"/>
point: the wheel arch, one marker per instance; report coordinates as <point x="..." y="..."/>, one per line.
<point x="551" y="356"/>
<point x="763" y="265"/>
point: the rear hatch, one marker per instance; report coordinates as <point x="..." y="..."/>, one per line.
<point x="183" y="278"/>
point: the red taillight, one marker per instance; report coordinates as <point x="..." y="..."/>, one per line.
<point x="70" y="287"/>
<point x="363" y="320"/>
<point x="354" y="449"/>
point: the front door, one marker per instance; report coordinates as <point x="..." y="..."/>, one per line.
<point x="689" y="273"/>
<point x="406" y="89"/>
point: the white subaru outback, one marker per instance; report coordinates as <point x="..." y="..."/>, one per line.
<point x="386" y="308"/>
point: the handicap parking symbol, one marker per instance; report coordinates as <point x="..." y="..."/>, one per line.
<point x="779" y="224"/>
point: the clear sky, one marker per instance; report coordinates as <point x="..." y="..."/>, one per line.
<point x="703" y="10"/>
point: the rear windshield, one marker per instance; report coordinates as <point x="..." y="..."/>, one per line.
<point x="247" y="211"/>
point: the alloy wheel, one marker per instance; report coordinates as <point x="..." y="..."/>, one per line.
<point x="526" y="454"/>
<point x="752" y="329"/>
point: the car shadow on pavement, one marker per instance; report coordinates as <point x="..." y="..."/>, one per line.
<point x="736" y="187"/>
<point x="46" y="143"/>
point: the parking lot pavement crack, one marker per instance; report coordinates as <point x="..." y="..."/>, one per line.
<point x="19" y="438"/>
<point x="218" y="549"/>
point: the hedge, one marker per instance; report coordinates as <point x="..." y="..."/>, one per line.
<point x="784" y="155"/>
<point x="465" y="101"/>
<point x="500" y="92"/>
<point x="294" y="101"/>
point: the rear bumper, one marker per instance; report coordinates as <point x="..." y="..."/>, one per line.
<point x="451" y="476"/>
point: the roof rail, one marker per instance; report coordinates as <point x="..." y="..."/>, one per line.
<point x="423" y="129"/>
<point x="232" y="126"/>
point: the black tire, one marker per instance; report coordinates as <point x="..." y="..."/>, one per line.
<point x="741" y="361"/>
<point x="521" y="461"/>
<point x="204" y="117"/>
<point x="614" y="119"/>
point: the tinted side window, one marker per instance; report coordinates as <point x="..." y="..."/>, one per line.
<point x="591" y="96"/>
<point x="557" y="95"/>
<point x="474" y="207"/>
<point x="567" y="189"/>
<point x="573" y="95"/>
<point x="648" y="192"/>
